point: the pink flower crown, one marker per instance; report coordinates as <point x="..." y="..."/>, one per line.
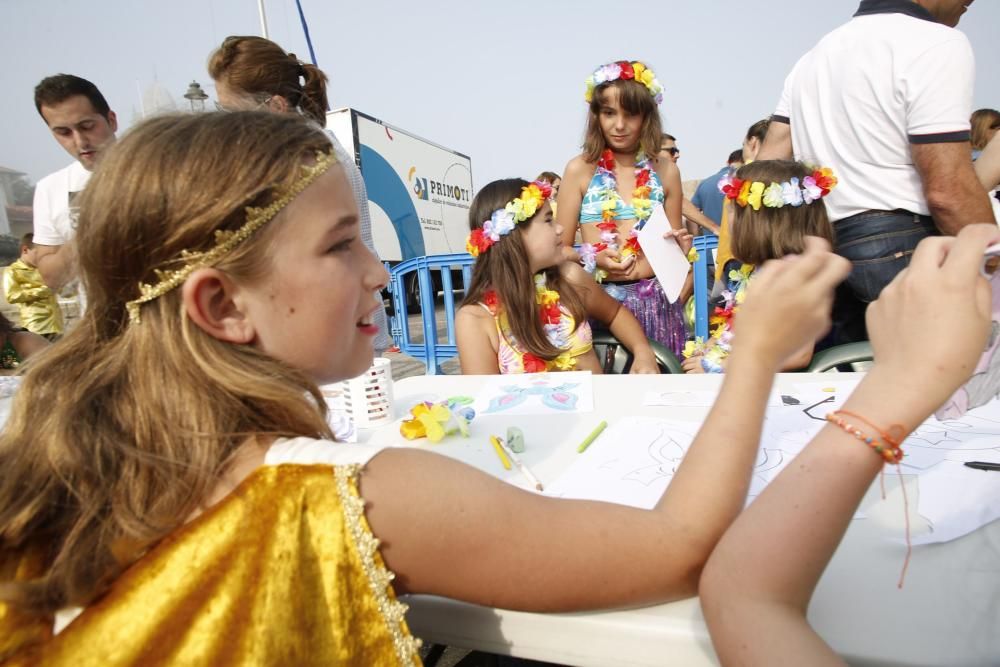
<point x="623" y="69"/>
<point x="503" y="219"/>
<point x="776" y="195"/>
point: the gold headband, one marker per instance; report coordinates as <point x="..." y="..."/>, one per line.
<point x="227" y="240"/>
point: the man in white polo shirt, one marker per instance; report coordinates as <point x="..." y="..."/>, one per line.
<point x="81" y="121"/>
<point x="884" y="100"/>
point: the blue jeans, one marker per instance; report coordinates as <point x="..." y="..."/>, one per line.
<point x="879" y="245"/>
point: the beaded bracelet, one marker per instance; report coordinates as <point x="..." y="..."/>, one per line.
<point x="886" y="445"/>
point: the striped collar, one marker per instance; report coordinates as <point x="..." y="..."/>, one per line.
<point x="907" y="7"/>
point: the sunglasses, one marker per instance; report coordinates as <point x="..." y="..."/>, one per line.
<point x="673" y="150"/>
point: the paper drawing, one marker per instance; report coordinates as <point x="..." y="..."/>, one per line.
<point x="536" y="393"/>
<point x="634" y="460"/>
<point x="984" y="385"/>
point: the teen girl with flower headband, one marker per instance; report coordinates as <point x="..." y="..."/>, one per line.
<point x="610" y="190"/>
<point x="775" y="205"/>
<point x="526" y="309"/>
<point x="180" y="499"/>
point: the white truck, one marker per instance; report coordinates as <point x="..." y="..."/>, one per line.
<point x="419" y="193"/>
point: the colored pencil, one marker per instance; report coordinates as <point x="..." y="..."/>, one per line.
<point x="593" y="436"/>
<point x="498" y="448"/>
<point x="525" y="470"/>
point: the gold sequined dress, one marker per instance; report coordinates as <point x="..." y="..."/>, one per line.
<point x="283" y="571"/>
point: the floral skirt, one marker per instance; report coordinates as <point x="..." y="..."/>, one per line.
<point x="661" y="320"/>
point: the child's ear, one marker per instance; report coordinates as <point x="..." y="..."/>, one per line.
<point x="279" y="103"/>
<point x="210" y="300"/>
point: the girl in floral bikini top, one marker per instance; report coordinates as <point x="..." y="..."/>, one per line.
<point x="526" y="309"/>
<point x="612" y="188"/>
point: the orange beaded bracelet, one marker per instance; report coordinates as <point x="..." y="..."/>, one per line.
<point x="886" y="445"/>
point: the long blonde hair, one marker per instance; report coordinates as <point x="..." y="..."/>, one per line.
<point x="120" y="431"/>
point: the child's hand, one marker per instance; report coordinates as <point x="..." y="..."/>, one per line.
<point x="611" y="261"/>
<point x="644" y="365"/>
<point x="788" y="303"/>
<point x="682" y="236"/>
<point x="693" y="364"/>
<point x="929" y="326"/>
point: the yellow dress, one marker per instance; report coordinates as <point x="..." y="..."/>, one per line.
<point x="283" y="571"/>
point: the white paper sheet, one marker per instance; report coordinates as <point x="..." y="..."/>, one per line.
<point x="630" y="463"/>
<point x="669" y="262"/>
<point x="957" y="500"/>
<point x="633" y="461"/>
<point x="536" y="394"/>
<point x="702" y="398"/>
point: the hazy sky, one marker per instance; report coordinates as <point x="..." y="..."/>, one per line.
<point x="499" y="81"/>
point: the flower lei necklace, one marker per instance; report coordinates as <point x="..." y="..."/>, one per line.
<point x="553" y="323"/>
<point x="722" y="323"/>
<point x="641" y="203"/>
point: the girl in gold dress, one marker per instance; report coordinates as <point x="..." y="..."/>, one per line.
<point x="181" y="500"/>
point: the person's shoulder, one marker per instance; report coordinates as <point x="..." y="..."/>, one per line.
<point x="472" y="312"/>
<point x="905" y="32"/>
<point x="666" y="170"/>
<point x="316" y="451"/>
<point x="27" y="343"/>
<point x="61" y="178"/>
<point x="577" y="167"/>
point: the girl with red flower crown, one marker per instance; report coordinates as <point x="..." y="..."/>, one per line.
<point x="610" y="190"/>
<point x="526" y="309"/>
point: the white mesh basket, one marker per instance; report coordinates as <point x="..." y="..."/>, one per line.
<point x="368" y="397"/>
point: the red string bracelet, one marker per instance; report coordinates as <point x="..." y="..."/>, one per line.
<point x="887" y="445"/>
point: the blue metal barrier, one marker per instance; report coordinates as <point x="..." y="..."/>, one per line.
<point x="430" y="350"/>
<point x="704" y="245"/>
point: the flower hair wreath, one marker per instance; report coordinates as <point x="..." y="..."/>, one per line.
<point x="776" y="195"/>
<point x="625" y="70"/>
<point x="502" y="220"/>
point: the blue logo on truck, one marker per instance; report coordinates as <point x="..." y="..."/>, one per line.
<point x="419" y="185"/>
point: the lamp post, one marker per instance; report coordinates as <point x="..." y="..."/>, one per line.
<point x="196" y="96"/>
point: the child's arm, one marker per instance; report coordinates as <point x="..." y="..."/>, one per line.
<point x="474" y="331"/>
<point x="501" y="546"/>
<point x="988" y="165"/>
<point x="18" y="289"/>
<point x="620" y="321"/>
<point x="758" y="582"/>
<point x="569" y="201"/>
<point x="800" y="359"/>
<point x="673" y="200"/>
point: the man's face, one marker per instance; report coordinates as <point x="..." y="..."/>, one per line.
<point x="948" y="12"/>
<point x="80" y="129"/>
<point x="669" y="149"/>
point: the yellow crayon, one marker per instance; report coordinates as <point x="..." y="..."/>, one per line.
<point x="499" y="450"/>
